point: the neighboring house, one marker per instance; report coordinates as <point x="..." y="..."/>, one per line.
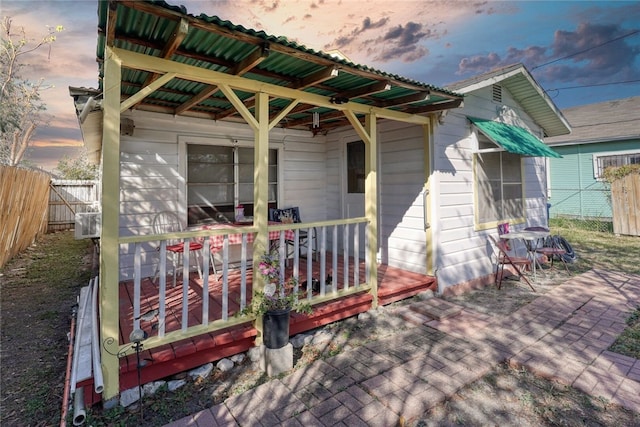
<point x="489" y="166"/>
<point x="604" y="134"/>
<point x="196" y="115"/>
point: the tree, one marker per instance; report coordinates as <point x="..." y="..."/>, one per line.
<point x="20" y="104"/>
<point x="78" y="168"/>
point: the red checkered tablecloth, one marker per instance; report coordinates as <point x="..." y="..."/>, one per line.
<point x="217" y="242"/>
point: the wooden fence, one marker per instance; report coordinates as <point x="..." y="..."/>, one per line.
<point x="68" y="197"/>
<point x="625" y="203"/>
<point x="24" y="199"/>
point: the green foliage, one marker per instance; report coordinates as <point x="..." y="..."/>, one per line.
<point x="278" y="294"/>
<point x="20" y="105"/>
<point x="612" y="174"/>
<point x="78" y="168"/>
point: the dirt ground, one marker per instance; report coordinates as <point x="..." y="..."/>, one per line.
<point x="38" y="291"/>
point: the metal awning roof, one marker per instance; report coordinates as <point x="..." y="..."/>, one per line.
<point x="159" y="30"/>
<point x="513" y="139"/>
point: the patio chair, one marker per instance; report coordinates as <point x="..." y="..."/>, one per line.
<point x="518" y="263"/>
<point x="168" y="222"/>
<point x="277" y="215"/>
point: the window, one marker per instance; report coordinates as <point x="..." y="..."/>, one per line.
<point x="605" y="160"/>
<point x="221" y="177"/>
<point x="355" y="167"/>
<point x="498" y="177"/>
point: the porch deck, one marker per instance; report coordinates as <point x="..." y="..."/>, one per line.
<point x="393" y="285"/>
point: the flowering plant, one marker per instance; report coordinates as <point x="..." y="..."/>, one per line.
<point x="277" y="294"/>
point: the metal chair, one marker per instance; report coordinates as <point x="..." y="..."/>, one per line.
<point x="518" y="263"/>
<point x="168" y="222"/>
<point x="277" y="215"/>
<point x="548" y="248"/>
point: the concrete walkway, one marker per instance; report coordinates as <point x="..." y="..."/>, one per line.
<point x="562" y="335"/>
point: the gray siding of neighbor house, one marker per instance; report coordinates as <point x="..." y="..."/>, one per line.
<point x="463" y="251"/>
<point x="575" y="191"/>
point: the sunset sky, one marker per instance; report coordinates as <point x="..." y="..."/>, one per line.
<point x="580" y="52"/>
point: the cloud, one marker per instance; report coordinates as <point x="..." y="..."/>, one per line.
<point x="346" y="40"/>
<point x="589" y="54"/>
<point x="403" y="43"/>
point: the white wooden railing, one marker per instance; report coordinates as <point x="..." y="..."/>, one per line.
<point x="340" y="238"/>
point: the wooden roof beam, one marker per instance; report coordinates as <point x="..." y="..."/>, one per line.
<point x="171" y="47"/>
<point x="404" y="100"/>
<point x="432" y="108"/>
<point x="204" y="94"/>
<point x="366" y="90"/>
<point x="251" y="61"/>
<point x="111" y="23"/>
<point x="317" y="78"/>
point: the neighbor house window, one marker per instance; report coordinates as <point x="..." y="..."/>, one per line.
<point x="499" y="186"/>
<point x="219" y="178"/>
<point x="605" y="160"/>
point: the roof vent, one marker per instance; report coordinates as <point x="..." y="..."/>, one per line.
<point x="497" y="93"/>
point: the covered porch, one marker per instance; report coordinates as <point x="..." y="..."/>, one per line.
<point x="205" y="300"/>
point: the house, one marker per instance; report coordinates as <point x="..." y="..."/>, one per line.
<point x="604" y="134"/>
<point x="489" y="165"/>
<point x="195" y="115"/>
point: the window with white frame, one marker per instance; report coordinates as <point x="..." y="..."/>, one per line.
<point x="499" y="187"/>
<point x="219" y="178"/>
<point x="604" y="160"/>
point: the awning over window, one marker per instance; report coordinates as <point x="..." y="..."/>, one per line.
<point x="513" y="139"/>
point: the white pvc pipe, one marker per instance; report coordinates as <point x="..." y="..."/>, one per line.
<point x="76" y="346"/>
<point x="79" y="412"/>
<point x="98" y="381"/>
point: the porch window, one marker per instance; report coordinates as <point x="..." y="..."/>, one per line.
<point x="499" y="187"/>
<point x="219" y="178"/>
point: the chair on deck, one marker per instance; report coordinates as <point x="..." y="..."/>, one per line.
<point x="168" y="222"/>
<point x="549" y="249"/>
<point x="293" y="215"/>
<point x="502" y="257"/>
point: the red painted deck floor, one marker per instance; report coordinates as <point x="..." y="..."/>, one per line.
<point x="393" y="285"/>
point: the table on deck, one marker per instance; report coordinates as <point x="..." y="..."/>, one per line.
<point x="530" y="236"/>
<point x="217" y="242"/>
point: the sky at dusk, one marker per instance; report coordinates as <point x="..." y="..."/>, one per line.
<point x="580" y="52"/>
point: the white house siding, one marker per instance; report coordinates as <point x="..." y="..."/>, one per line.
<point x="402" y="178"/>
<point x="151" y="179"/>
<point x="462" y="253"/>
<point x="401" y="175"/>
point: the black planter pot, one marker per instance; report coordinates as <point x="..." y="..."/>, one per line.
<point x="275" y="324"/>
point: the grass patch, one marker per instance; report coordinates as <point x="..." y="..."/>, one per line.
<point x="600" y="250"/>
<point x="628" y="343"/>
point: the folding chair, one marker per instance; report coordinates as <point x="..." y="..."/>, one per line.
<point x="518" y="263"/>
<point x="276" y="215"/>
<point x="550" y="249"/>
<point x="168" y="222"/>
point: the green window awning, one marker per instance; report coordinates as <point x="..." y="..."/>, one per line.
<point x="513" y="139"/>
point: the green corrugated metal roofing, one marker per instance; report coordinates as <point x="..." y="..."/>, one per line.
<point x="149" y="28"/>
<point x="513" y="139"/>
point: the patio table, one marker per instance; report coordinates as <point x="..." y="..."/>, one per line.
<point x="530" y="239"/>
<point x="217" y="242"/>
